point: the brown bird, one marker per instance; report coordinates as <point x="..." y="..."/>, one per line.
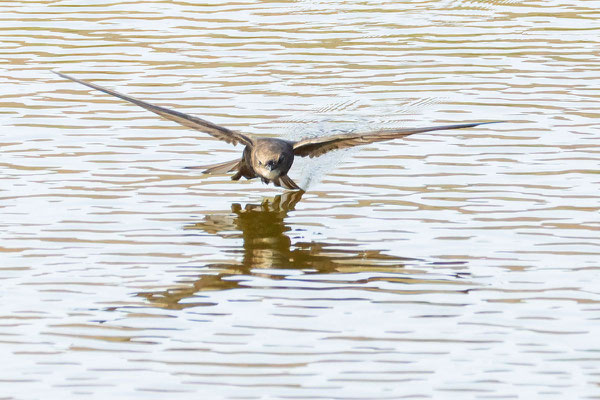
<point x="270" y="159"/>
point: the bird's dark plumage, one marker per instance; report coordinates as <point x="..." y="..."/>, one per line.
<point x="190" y="121"/>
<point x="268" y="158"/>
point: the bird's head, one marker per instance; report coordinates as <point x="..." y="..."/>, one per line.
<point x="272" y="158"/>
<point x="271" y="163"/>
<point x="270" y="167"/>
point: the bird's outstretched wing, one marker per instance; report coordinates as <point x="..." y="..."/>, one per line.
<point x="199" y="124"/>
<point x="314" y="147"/>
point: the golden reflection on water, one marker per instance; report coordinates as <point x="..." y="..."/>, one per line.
<point x="267" y="245"/>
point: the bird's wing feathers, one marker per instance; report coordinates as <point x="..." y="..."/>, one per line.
<point x="314" y="147"/>
<point x="199" y="124"/>
<point x="220" y="168"/>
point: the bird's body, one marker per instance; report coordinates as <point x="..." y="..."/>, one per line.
<point x="269" y="158"/>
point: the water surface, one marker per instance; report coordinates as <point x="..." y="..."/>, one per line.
<point x="459" y="264"/>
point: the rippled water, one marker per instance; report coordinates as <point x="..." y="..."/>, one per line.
<point x="458" y="264"/>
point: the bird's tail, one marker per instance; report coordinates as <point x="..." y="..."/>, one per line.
<point x="286" y="182"/>
<point x="220" y="168"/>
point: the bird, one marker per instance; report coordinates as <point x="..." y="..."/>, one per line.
<point x="268" y="158"/>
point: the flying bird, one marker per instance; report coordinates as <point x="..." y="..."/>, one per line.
<point x="270" y="159"/>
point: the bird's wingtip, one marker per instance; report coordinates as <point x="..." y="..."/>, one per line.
<point x="491" y="122"/>
<point x="61" y="74"/>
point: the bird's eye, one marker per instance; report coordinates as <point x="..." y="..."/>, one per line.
<point x="260" y="163"/>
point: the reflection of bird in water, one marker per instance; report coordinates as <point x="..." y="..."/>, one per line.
<point x="261" y="227"/>
<point x="267" y="246"/>
<point x="270" y="159"/>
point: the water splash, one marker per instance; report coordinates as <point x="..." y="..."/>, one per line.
<point x="346" y="116"/>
